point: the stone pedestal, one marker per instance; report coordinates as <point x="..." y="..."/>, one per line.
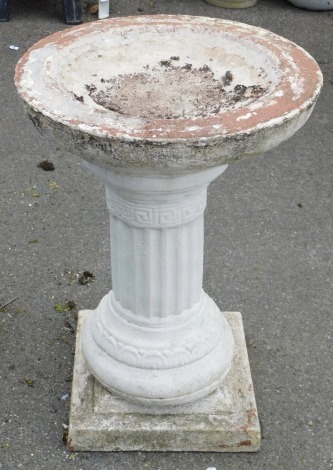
<point x="157" y="125"/>
<point x="224" y="421"/>
<point x="157" y="337"/>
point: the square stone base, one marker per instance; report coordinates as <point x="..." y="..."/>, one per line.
<point x="225" y="421"/>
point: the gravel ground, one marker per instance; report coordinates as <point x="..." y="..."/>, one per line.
<point x="268" y="254"/>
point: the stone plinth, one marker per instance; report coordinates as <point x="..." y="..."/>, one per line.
<point x="224" y="421"/>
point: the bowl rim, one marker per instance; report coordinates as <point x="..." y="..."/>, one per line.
<point x="299" y="87"/>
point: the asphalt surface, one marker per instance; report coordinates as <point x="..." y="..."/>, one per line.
<point x="268" y="254"/>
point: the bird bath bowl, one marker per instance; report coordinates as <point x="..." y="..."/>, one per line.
<point x="157" y="107"/>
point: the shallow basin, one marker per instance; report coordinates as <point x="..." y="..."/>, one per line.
<point x="197" y="91"/>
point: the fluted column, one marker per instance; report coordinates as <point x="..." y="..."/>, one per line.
<point x="157" y="337"/>
<point x="157" y="253"/>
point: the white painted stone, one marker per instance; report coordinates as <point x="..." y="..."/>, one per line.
<point x="105" y="90"/>
<point x="157" y="125"/>
<point x="157" y="327"/>
<point x="224" y="421"/>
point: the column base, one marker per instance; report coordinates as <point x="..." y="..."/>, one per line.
<point x="157" y="364"/>
<point x="224" y="421"/>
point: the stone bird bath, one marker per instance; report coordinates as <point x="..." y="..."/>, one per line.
<point x="157" y="107"/>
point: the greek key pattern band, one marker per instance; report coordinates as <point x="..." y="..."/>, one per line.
<point x="156" y="216"/>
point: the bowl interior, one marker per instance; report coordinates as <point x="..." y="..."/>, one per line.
<point x="164" y="72"/>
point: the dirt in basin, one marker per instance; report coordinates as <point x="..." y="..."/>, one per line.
<point x="170" y="91"/>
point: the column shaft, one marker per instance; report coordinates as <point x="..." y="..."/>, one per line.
<point x="156" y="270"/>
<point x="157" y="337"/>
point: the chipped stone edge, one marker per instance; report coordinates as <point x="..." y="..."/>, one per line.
<point x="118" y="430"/>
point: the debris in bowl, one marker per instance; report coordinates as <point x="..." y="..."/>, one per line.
<point x="171" y="90"/>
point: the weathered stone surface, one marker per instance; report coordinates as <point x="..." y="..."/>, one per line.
<point x="225" y="421"/>
<point x="216" y="92"/>
<point x="157" y="328"/>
